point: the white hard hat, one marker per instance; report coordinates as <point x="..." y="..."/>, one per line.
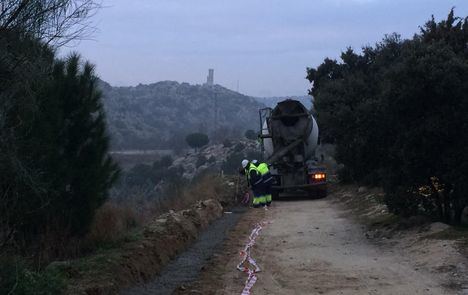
<point x="254" y="162"/>
<point x="245" y="163"/>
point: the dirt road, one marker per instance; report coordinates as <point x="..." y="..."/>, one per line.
<point x="312" y="247"/>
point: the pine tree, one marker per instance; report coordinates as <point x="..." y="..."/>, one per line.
<point x="85" y="169"/>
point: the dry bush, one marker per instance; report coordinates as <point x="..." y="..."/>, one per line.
<point x="54" y="243"/>
<point x="207" y="187"/>
<point x="115" y="220"/>
<point x="112" y="222"/>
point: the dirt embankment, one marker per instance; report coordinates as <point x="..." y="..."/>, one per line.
<point x="138" y="261"/>
<point x="140" y="255"/>
<point x="344" y="244"/>
<point x="141" y="260"/>
<point x="433" y="247"/>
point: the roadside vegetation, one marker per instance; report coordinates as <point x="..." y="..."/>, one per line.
<point x="121" y="220"/>
<point x="63" y="199"/>
<point x="396" y="112"/>
<point x="57" y="173"/>
<point x="54" y="162"/>
<point x="197" y="140"/>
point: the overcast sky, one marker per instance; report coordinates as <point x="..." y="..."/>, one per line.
<point x="266" y="45"/>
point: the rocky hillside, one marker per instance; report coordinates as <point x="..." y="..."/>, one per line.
<point x="216" y="158"/>
<point x="160" y="115"/>
<point x="152" y="179"/>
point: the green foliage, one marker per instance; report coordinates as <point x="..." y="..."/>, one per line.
<point x="55" y="166"/>
<point x="197" y="140"/>
<point x="17" y="278"/>
<point x="160" y="115"/>
<point x="395" y="111"/>
<point x="146" y="177"/>
<point x="201" y="160"/>
<point x="239" y="147"/>
<point x="74" y="120"/>
<point x="232" y="163"/>
<point x="227" y="143"/>
<point x="54" y="21"/>
<point x="250" y="134"/>
<point x="254" y="155"/>
<point x="173" y="175"/>
<point x="142" y="174"/>
<point x="212" y="159"/>
<point x="164" y="162"/>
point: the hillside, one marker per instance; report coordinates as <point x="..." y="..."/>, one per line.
<point x="160" y="115"/>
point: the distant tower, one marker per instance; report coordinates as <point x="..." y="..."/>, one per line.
<point x="210" y="78"/>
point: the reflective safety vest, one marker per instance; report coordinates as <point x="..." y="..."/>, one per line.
<point x="251" y="168"/>
<point x="263" y="168"/>
<point x="265" y="172"/>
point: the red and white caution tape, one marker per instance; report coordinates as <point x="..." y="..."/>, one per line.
<point x="248" y="261"/>
<point x="246" y="198"/>
<point x="249" y="283"/>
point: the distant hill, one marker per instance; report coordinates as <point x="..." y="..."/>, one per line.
<point x="271" y="102"/>
<point x="160" y="115"/>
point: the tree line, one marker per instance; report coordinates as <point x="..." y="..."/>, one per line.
<point x="54" y="162"/>
<point x="397" y="113"/>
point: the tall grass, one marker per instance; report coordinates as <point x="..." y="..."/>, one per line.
<point x="115" y="221"/>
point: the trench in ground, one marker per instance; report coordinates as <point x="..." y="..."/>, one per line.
<point x="186" y="267"/>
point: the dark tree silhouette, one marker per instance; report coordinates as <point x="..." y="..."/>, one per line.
<point x="197" y="140"/>
<point x="395" y="111"/>
<point x="250" y="134"/>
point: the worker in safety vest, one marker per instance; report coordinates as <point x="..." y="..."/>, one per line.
<point x="267" y="180"/>
<point x="255" y="181"/>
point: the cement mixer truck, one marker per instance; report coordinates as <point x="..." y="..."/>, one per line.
<point x="289" y="139"/>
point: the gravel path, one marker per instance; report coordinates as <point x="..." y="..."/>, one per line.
<point x="312" y="249"/>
